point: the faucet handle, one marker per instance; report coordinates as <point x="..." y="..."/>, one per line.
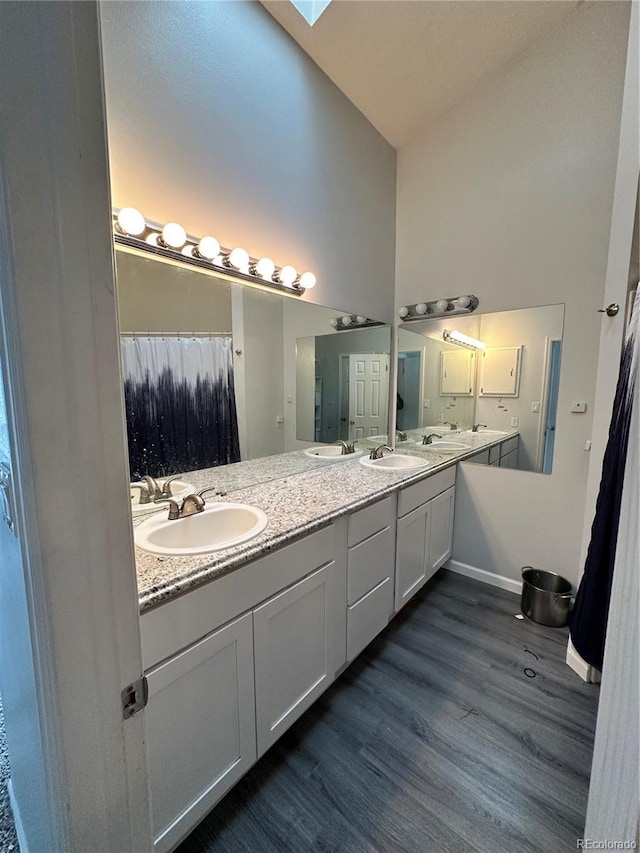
<point x="165" y="489"/>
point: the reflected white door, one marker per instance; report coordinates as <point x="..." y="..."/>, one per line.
<point x="368" y="394"/>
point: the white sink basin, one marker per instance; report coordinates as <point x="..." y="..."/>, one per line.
<point x="331" y="453"/>
<point x="217" y="527"/>
<point x="179" y="489"/>
<point x="377" y="440"/>
<point x="438" y="446"/>
<point x="395" y="462"/>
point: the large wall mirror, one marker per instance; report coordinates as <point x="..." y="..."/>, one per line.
<point x="212" y="377"/>
<point x="500" y="370"/>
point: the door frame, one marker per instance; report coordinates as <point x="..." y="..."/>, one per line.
<point x="544" y="396"/>
<point x="65" y="404"/>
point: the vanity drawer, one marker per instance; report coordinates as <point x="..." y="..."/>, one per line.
<point x="370" y="520"/>
<point x="368" y="617"/>
<point x="370" y="562"/>
<point x="481" y="458"/>
<point x="179" y="623"/>
<point x="509" y="446"/>
<point x="494" y="454"/>
<point x="414" y="496"/>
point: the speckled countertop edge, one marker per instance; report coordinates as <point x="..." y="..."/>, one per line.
<point x="296" y="504"/>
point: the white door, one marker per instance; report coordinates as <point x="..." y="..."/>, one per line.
<point x="441" y="529"/>
<point x="368" y="394"/>
<point x="200" y="724"/>
<point x="412" y="553"/>
<point x="296" y="654"/>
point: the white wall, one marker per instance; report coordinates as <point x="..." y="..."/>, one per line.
<point x="217" y="119"/>
<point x="514" y="189"/>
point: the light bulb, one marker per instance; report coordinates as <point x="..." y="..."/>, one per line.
<point x="346" y="320"/>
<point x="442" y="305"/>
<point x="190" y="251"/>
<point x="333" y="322"/>
<point x="307" y="280"/>
<point x="403" y="311"/>
<point x="174" y="235"/>
<point x="360" y="319"/>
<point x="463" y="301"/>
<point x="208" y="248"/>
<point x="421" y="308"/>
<point x="239" y="258"/>
<point x="265" y="268"/>
<point x="152" y="239"/>
<point x="131" y="221"/>
<point x="287" y="275"/>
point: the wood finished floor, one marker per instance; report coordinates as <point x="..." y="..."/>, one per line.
<point x="433" y="741"/>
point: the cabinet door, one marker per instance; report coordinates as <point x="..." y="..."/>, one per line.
<point x="457" y="372"/>
<point x="510" y="460"/>
<point x="441" y="530"/>
<point x="200" y="724"/>
<point x="412" y="552"/>
<point x="296" y="650"/>
<point x="500" y="372"/>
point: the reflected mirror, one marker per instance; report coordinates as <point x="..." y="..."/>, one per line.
<point x="500" y="371"/>
<point x="211" y="375"/>
<point x="348" y="374"/>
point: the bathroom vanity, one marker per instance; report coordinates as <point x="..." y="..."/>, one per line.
<point x="238" y="644"/>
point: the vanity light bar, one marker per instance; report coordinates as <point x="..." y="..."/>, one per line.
<point x="352" y="321"/>
<point x="131" y="229"/>
<point x="439" y="308"/>
<point x="453" y="336"/>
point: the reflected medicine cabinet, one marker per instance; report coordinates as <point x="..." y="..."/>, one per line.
<point x="457" y="373"/>
<point x="500" y="372"/>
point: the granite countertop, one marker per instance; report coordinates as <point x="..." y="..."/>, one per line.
<point x="299" y="494"/>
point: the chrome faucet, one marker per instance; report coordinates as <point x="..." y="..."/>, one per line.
<point x="151" y="490"/>
<point x="476" y="427"/>
<point x="428" y="439"/>
<point x="401" y="435"/>
<point x="191" y="505"/>
<point x="377" y="453"/>
<point x="347" y="446"/>
<point x="450" y="425"/>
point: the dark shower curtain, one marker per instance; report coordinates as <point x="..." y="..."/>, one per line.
<point x="180" y="404"/>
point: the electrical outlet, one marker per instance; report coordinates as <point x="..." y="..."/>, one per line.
<point x="535" y="407"/>
<point x="441" y="418"/>
<point x="514" y="422"/>
<point x="427" y="404"/>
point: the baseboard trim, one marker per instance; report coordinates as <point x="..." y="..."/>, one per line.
<point x="22" y="840"/>
<point x="586" y="672"/>
<point x="484" y="576"/>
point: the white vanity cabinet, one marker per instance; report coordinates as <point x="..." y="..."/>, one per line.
<point x="231" y="665"/>
<point x="370" y="573"/>
<point x="299" y="646"/>
<point x="200" y="726"/>
<point x="424" y="532"/>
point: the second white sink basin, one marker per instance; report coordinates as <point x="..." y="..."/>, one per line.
<point x="485" y="432"/>
<point x="395" y="462"/>
<point x="331" y="453"/>
<point x="444" y="446"/>
<point x="217" y="527"/>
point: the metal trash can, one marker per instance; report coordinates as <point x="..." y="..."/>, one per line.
<point x="546" y="597"/>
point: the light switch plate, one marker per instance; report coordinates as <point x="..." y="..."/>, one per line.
<point x="535" y="407"/>
<point x="514" y="422"/>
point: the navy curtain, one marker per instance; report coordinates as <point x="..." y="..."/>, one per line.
<point x="588" y="621"/>
<point x="180" y="404"/>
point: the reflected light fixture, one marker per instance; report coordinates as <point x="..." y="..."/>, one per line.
<point x="452" y="336"/>
<point x="172" y="241"/>
<point x="350" y="321"/>
<point x="438" y="308"/>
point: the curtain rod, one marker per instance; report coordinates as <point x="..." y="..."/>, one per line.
<point x="176" y="335"/>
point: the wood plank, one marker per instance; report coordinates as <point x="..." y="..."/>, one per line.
<point x="434" y="739"/>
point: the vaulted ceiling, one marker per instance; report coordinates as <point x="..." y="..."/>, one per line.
<point x="405" y="63"/>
